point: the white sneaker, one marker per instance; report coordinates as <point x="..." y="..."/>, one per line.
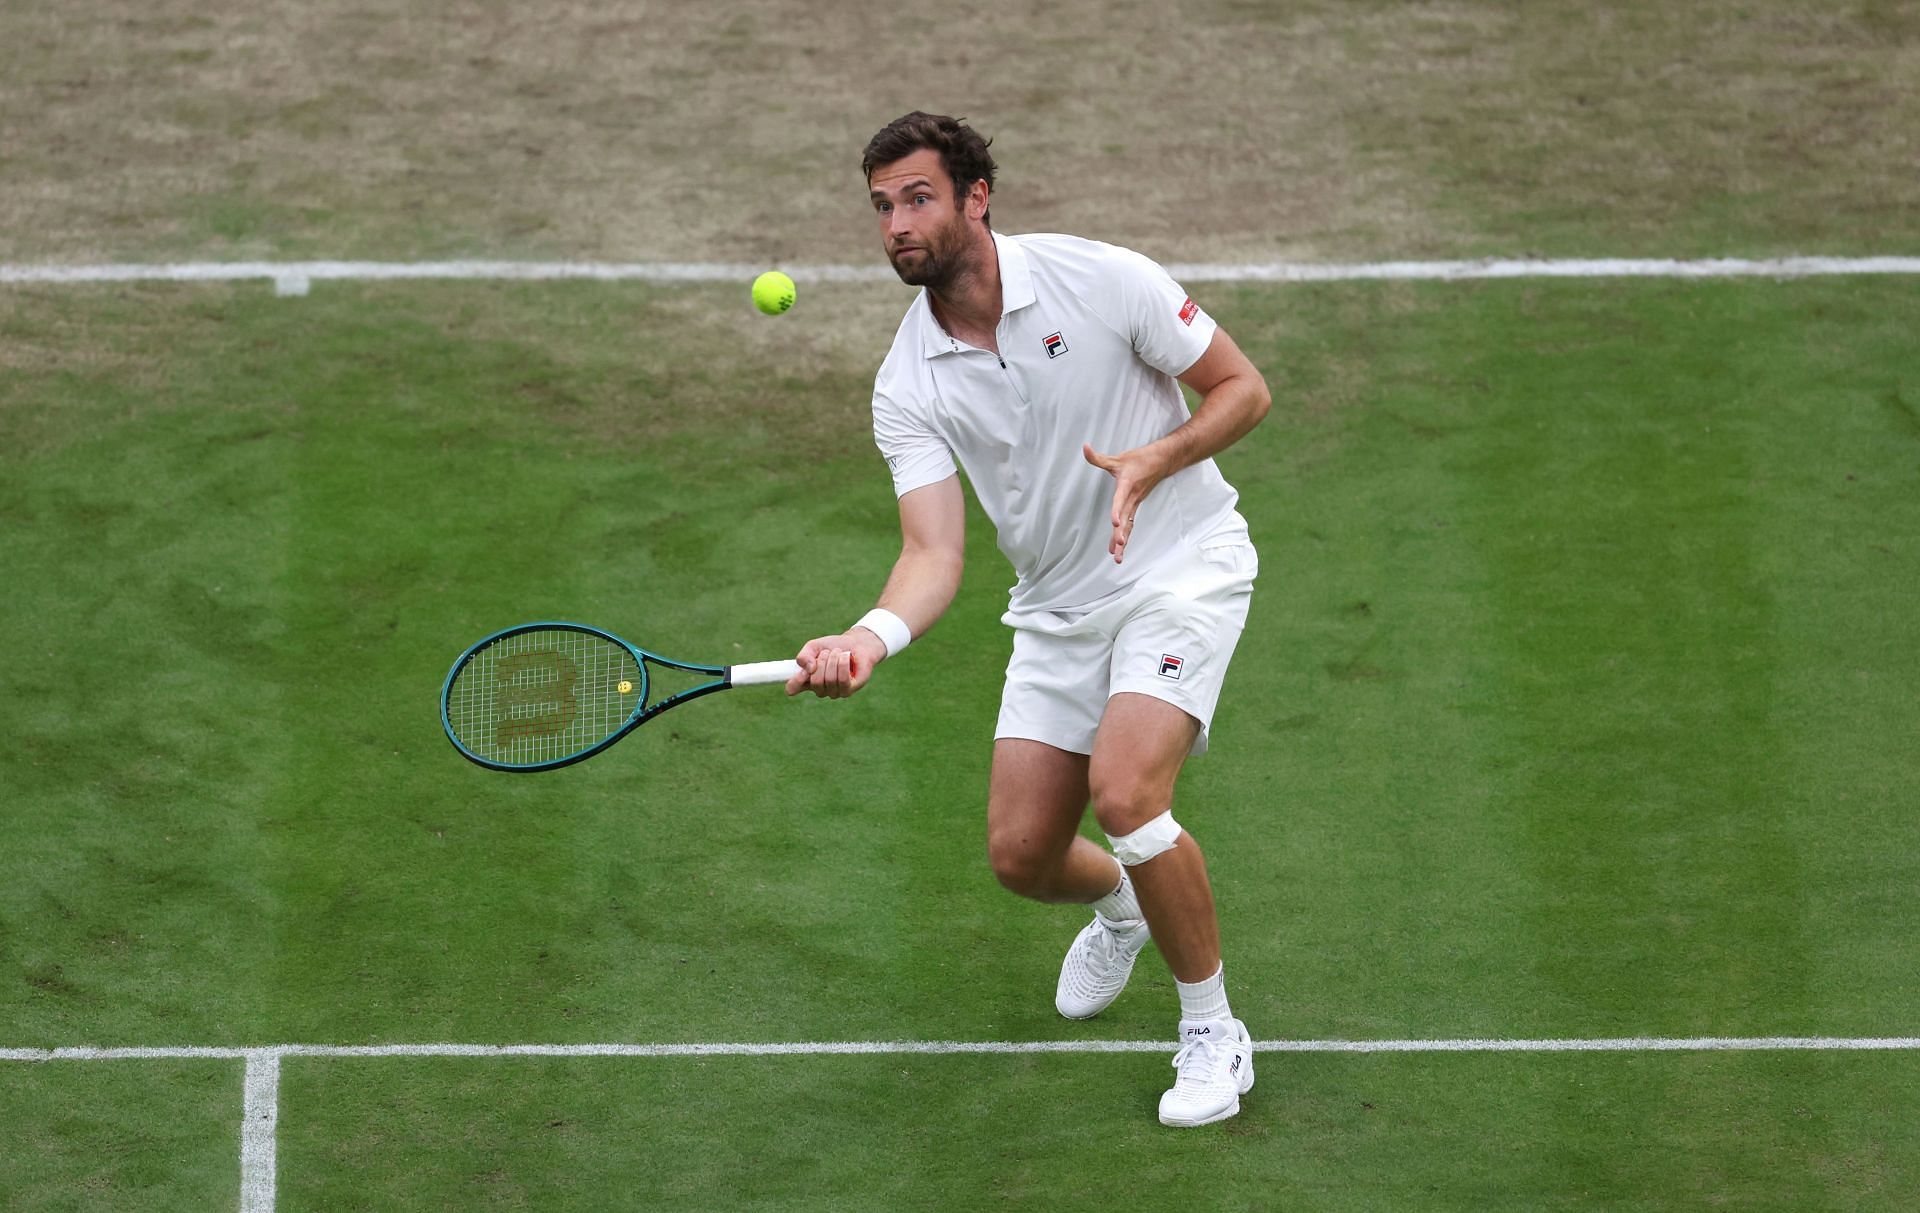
<point x="1098" y="965"/>
<point x="1215" y="1067"/>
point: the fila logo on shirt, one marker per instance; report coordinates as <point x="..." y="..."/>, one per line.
<point x="1170" y="666"/>
<point x="1056" y="345"/>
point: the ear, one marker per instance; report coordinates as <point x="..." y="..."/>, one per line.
<point x="977" y="200"/>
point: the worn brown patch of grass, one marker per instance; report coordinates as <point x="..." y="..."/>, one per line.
<point x="1216" y="129"/>
<point x="728" y="131"/>
<point x="1673" y="128"/>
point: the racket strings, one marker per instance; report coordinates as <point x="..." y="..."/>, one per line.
<point x="544" y="695"/>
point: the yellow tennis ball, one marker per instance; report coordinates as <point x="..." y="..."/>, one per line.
<point x="773" y="292"/>
<point x="626" y="688"/>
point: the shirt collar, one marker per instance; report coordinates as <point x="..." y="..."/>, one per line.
<point x="1016" y="292"/>
<point x="1016" y="280"/>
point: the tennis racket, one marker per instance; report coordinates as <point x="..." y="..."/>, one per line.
<point x="544" y="695"/>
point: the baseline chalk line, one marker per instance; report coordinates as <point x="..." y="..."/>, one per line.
<point x="257" y="1057"/>
<point x="260" y="1107"/>
<point x="296" y="277"/>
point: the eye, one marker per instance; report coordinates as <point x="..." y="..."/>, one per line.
<point x="883" y="207"/>
<point x="922" y="198"/>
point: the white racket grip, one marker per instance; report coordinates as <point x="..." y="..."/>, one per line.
<point x="755" y="673"/>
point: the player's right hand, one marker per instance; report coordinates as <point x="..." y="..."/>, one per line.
<point x="834" y="667"/>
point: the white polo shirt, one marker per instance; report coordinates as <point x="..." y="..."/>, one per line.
<point x="1092" y="337"/>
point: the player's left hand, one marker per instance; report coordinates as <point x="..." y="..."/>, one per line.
<point x="1134" y="472"/>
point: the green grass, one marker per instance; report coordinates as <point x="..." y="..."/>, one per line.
<point x="1576" y="701"/>
<point x="1793" y="1132"/>
<point x="145" y="1135"/>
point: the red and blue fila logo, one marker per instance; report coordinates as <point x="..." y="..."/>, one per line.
<point x="1170" y="666"/>
<point x="1056" y="345"/>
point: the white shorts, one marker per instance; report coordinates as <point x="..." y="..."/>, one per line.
<point x="1169" y="635"/>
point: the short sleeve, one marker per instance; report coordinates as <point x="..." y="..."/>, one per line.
<point x="915" y="454"/>
<point x="1168" y="329"/>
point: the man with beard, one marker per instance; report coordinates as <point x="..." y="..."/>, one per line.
<point x="1049" y="368"/>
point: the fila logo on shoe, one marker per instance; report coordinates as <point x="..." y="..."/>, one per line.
<point x="1200" y="1031"/>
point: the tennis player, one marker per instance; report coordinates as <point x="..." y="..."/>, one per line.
<point x="1048" y="367"/>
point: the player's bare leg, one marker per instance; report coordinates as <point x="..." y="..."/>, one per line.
<point x="1137" y="755"/>
<point x="1038" y="797"/>
<point x="1035" y="800"/>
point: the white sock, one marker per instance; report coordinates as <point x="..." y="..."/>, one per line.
<point x="1120" y="905"/>
<point x="1205" y="999"/>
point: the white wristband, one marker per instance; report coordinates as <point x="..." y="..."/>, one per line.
<point x="889" y="627"/>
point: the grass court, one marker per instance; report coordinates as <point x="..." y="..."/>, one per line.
<point x="1577" y="699"/>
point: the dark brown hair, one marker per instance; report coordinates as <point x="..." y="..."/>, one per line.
<point x="962" y="150"/>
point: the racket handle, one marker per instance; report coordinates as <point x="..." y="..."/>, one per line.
<point x="755" y="673"/>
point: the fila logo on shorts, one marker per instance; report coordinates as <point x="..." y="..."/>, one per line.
<point x="1056" y="345"/>
<point x="1170" y="666"/>
<point x="1188" y="311"/>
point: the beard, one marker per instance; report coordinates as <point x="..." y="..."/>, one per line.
<point x="937" y="266"/>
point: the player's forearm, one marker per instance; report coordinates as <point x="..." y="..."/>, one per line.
<point x="1226" y="414"/>
<point x="921" y="586"/>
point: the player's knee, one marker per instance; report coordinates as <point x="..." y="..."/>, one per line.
<point x="1122" y="804"/>
<point x="1018" y="864"/>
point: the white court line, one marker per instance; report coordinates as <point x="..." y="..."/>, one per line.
<point x="295" y="277"/>
<point x="260" y="1111"/>
<point x="259" y="1121"/>
<point x="854" y="1048"/>
<point x="121" y="1053"/>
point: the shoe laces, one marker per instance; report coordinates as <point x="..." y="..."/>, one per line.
<point x="1106" y="942"/>
<point x="1200" y="1057"/>
<point x="1112" y="937"/>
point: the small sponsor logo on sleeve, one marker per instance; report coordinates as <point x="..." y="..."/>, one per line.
<point x="1188" y="311"/>
<point x="1056" y="345"/>
<point x="1170" y="666"/>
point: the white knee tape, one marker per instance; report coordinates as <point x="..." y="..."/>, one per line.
<point x="1154" y="838"/>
